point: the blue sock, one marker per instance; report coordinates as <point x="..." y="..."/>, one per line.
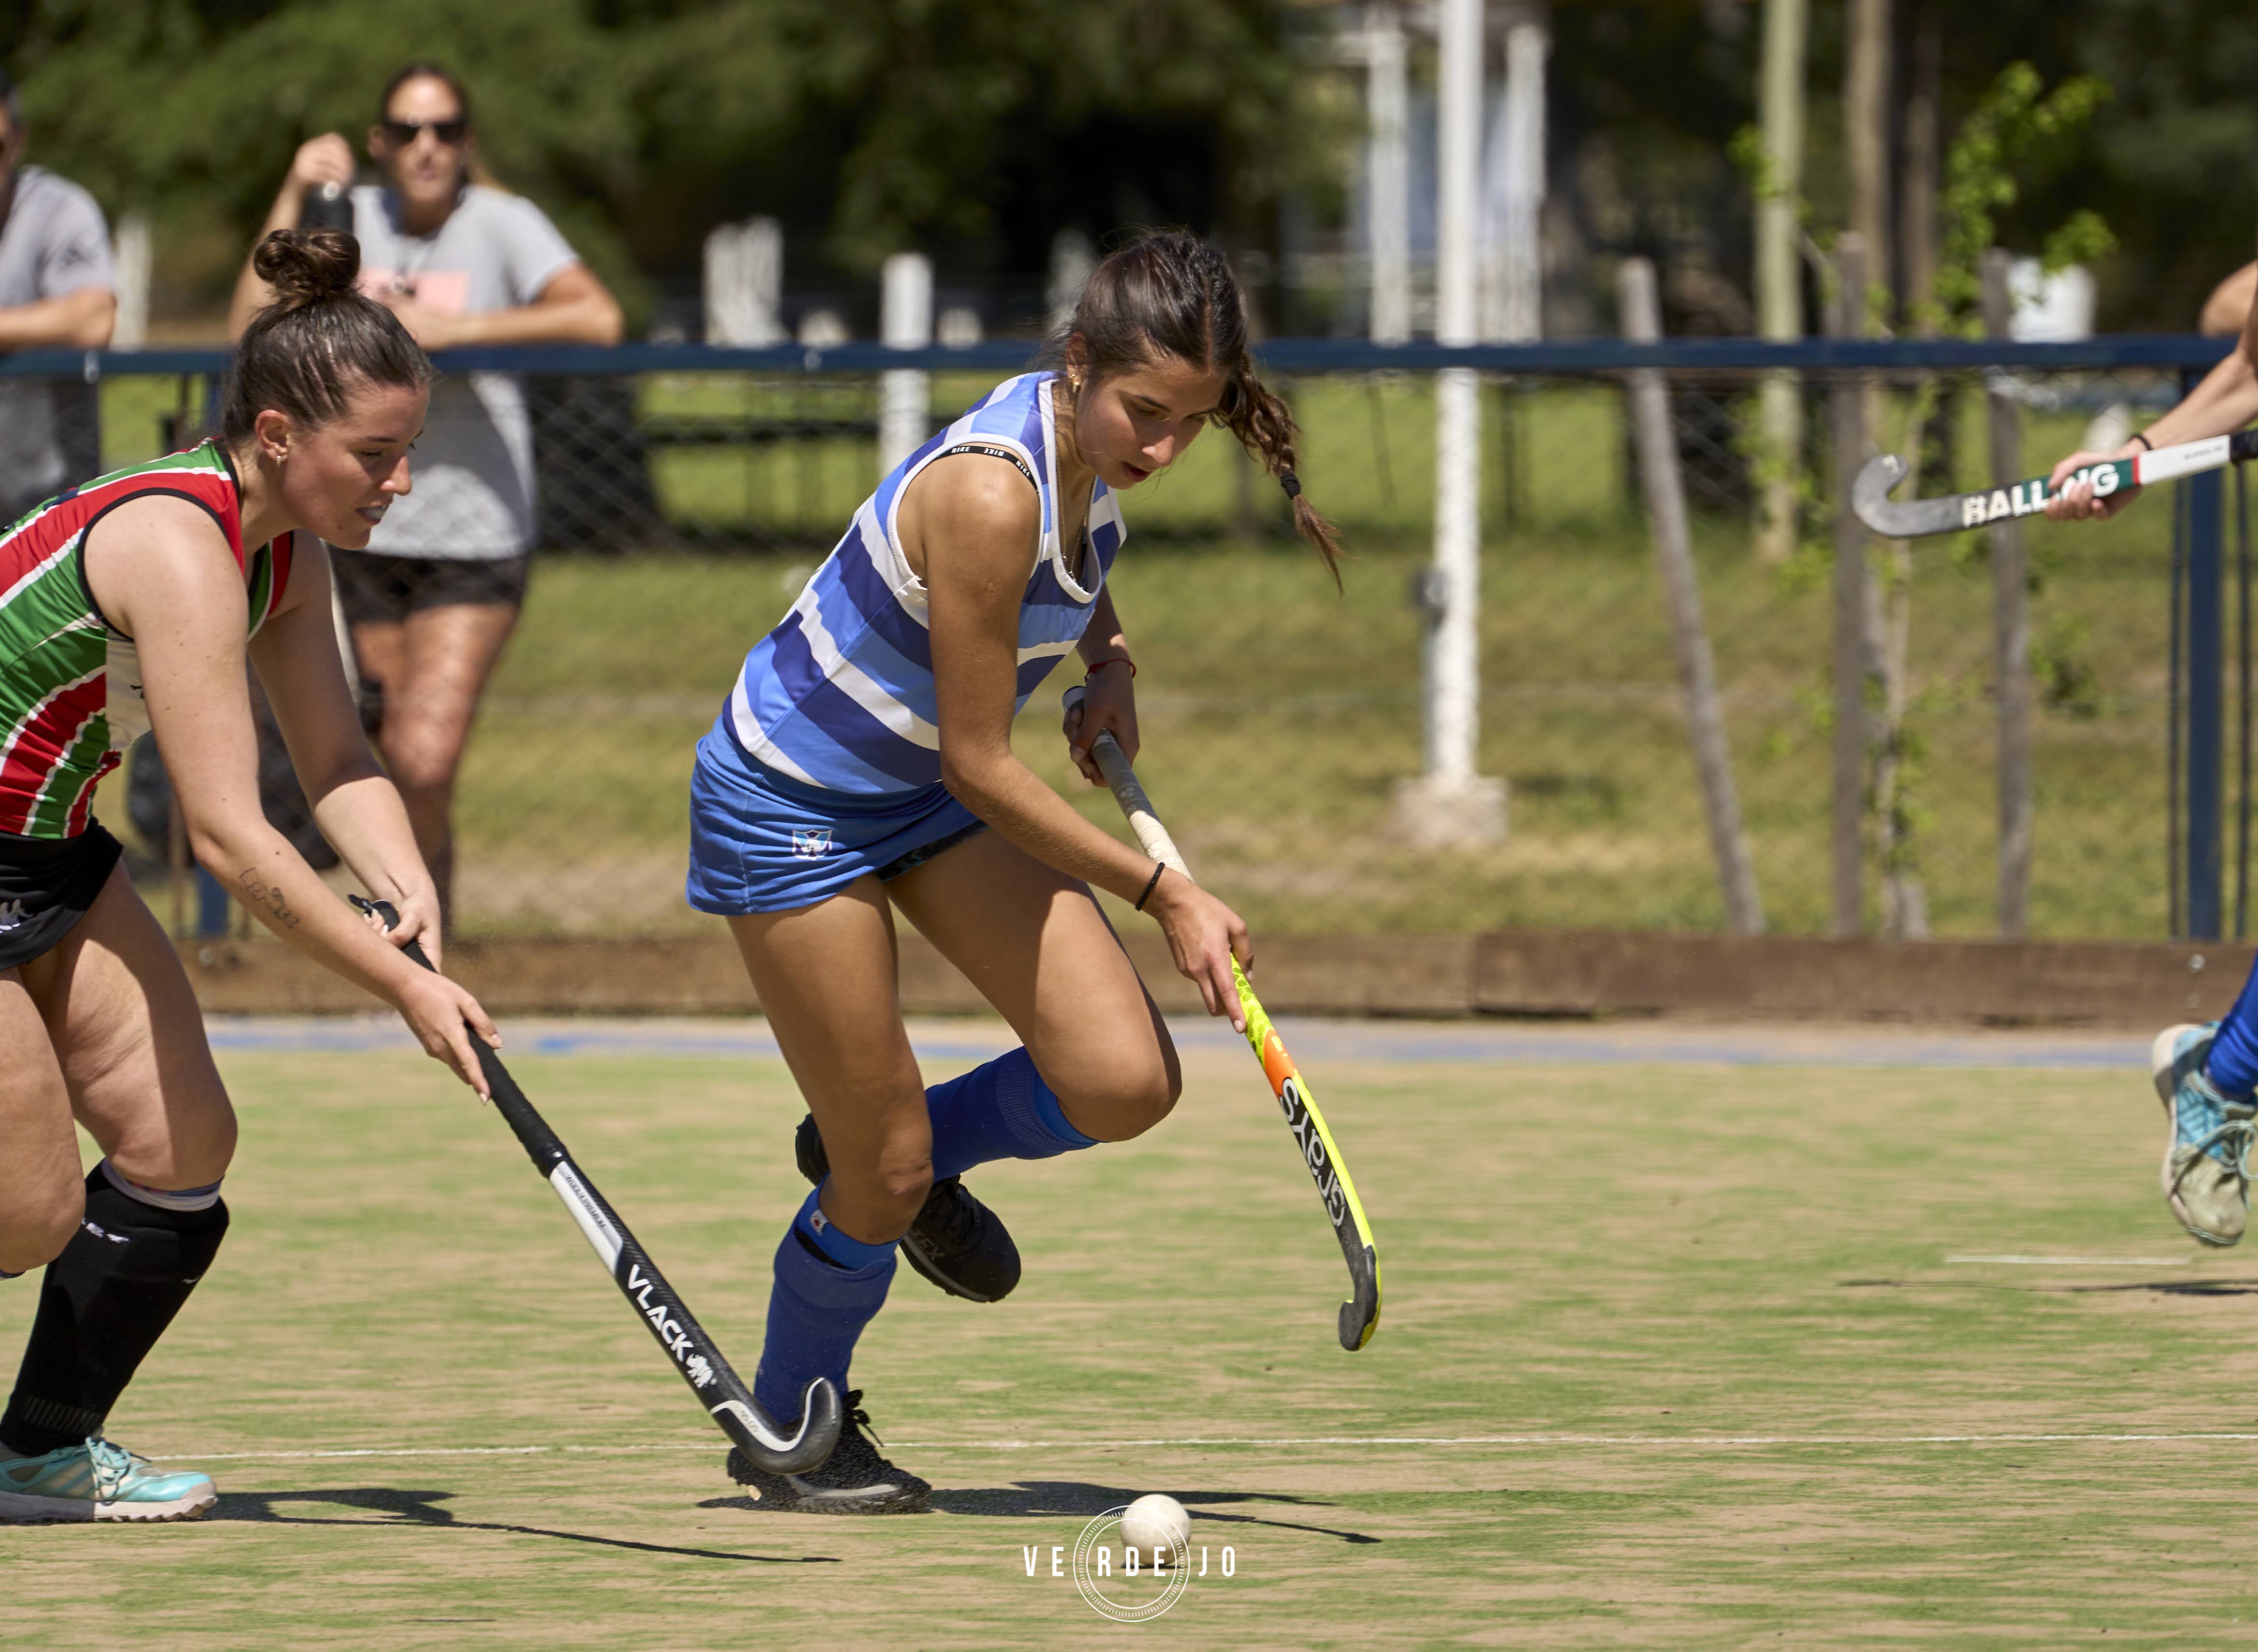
<point x="1001" y="1110"/>
<point x="2234" y="1064"/>
<point x="827" y="1286"/>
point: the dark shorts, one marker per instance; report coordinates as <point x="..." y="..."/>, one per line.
<point x="380" y="590"/>
<point x="46" y="885"/>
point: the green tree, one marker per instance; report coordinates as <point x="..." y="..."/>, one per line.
<point x="868" y="124"/>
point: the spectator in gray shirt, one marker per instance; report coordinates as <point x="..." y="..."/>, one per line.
<point x="57" y="292"/>
<point x="432" y="600"/>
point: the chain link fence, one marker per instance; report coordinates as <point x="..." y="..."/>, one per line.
<point x="680" y="505"/>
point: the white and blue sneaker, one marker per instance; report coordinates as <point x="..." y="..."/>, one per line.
<point x="2206" y="1173"/>
<point x="95" y="1480"/>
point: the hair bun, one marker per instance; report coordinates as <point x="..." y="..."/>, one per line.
<point x="305" y="266"/>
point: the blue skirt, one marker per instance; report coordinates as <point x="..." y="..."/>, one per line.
<point x="760" y="841"/>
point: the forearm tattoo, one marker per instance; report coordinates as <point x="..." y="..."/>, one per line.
<point x="261" y="893"/>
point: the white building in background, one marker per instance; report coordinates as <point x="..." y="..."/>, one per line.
<point x="744" y="284"/>
<point x="1392" y="237"/>
<point x="1513" y="190"/>
<point x="2056" y="308"/>
<point x="1384" y="182"/>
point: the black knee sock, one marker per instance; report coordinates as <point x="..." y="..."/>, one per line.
<point x="105" y="1302"/>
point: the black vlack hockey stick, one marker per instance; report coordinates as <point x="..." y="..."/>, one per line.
<point x="1916" y="518"/>
<point x="695" y="1357"/>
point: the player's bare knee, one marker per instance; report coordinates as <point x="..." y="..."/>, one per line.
<point x="1153" y="1097"/>
<point x="192" y="1147"/>
<point x="904" y="1174"/>
<point x="204" y="1154"/>
<point x="424" y="775"/>
<point x="36" y="1228"/>
<point x="876" y="1198"/>
<point x="1125" y="1101"/>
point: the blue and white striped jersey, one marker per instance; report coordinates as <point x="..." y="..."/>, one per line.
<point x="841" y="695"/>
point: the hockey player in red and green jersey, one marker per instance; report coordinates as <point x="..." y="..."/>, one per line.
<point x="133" y="602"/>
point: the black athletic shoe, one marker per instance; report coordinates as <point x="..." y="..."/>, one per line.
<point x="853" y="1479"/>
<point x="956" y="1242"/>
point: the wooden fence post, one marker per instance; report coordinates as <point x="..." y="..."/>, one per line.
<point x="1673" y="552"/>
<point x="2011" y="629"/>
<point x="1848" y="321"/>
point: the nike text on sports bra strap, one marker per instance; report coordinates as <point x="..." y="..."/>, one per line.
<point x="1017" y="463"/>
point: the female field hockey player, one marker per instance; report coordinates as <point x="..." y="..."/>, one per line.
<point x="132" y="602"/>
<point x="2205" y="1075"/>
<point x="864" y="763"/>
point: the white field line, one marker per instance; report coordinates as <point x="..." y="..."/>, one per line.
<point x="2076" y="1261"/>
<point x="1648" y="1441"/>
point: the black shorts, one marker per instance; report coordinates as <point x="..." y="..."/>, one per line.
<point x="918" y="857"/>
<point x="46" y="885"/>
<point x="380" y="590"/>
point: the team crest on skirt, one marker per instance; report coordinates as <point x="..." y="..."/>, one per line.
<point x="810" y="845"/>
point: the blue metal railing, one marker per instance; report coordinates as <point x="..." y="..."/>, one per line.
<point x="2160" y="350"/>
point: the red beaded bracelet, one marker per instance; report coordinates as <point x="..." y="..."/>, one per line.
<point x="1117" y="659"/>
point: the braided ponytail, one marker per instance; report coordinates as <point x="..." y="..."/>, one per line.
<point x="1266" y="429"/>
<point x="1170" y="294"/>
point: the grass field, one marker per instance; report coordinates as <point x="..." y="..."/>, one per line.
<point x="1673" y="1356"/>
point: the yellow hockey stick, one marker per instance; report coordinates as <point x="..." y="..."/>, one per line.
<point x="1359" y="1315"/>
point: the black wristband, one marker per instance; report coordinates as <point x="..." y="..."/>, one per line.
<point x="1151" y="883"/>
<point x="2141" y="436"/>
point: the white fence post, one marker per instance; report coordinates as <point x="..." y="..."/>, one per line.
<point x="1513" y="269"/>
<point x="1450" y="803"/>
<point x="905" y="322"/>
<point x="1072" y="259"/>
<point x="1780" y="273"/>
<point x="130" y="258"/>
<point x="744" y="284"/>
<point x="1388" y="180"/>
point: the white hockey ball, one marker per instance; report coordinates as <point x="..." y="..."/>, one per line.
<point x="1157" y="1527"/>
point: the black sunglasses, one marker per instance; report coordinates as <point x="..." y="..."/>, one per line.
<point x="450" y="132"/>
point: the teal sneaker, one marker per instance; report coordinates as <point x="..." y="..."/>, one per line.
<point x="96" y="1480"/>
<point x="2207" y="1171"/>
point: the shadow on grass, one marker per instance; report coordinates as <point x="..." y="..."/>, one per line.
<point x="1080" y="1499"/>
<point x="421" y="1510"/>
<point x="1076" y="1499"/>
<point x="2155" y="1287"/>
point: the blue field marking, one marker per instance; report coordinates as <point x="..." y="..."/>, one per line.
<point x="1314" y="1042"/>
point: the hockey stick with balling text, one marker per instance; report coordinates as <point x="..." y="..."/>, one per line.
<point x="1951" y="513"/>
<point x="696" y="1359"/>
<point x="1359" y="1315"/>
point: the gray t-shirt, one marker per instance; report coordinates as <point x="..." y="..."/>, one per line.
<point x="472" y="499"/>
<point x="54" y="242"/>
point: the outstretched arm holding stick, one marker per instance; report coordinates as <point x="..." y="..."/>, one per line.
<point x="2223" y="403"/>
<point x="2205" y="1075"/>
